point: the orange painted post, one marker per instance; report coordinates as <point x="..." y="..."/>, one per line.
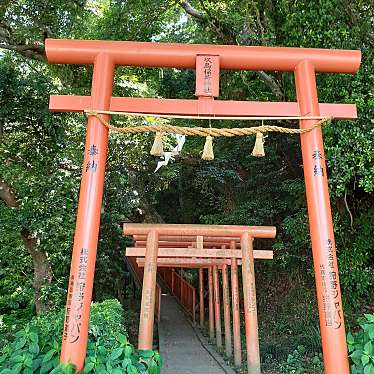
<point x="321" y="228"/>
<point x="77" y="314"/>
<point x="250" y="307"/>
<point x="194" y="306"/>
<point x="226" y="310"/>
<point x="148" y="293"/>
<point x="235" y="310"/>
<point x="172" y="280"/>
<point x="178" y="286"/>
<point x="187" y="298"/>
<point x="201" y="289"/>
<point x="217" y="307"/>
<point x="158" y="304"/>
<point x="185" y="293"/>
<point x="211" y="303"/>
<point x="182" y="291"/>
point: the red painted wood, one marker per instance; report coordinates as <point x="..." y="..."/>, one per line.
<point x="67" y="51"/>
<point x="66" y="103"/>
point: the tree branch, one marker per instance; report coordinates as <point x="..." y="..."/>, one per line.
<point x="33" y="50"/>
<point x="348" y="210"/>
<point x="189" y="9"/>
<point x="14" y="158"/>
<point x="272" y="84"/>
<point x="7" y="195"/>
<point x="42" y="267"/>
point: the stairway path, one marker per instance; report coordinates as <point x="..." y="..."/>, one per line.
<point x="180" y="347"/>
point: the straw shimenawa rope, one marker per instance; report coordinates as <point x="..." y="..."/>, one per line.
<point x="209" y="131"/>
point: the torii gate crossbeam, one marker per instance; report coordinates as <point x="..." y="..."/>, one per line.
<point x="305" y="63"/>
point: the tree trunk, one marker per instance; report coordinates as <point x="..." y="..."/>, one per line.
<point x="42" y="267"/>
<point x="42" y="270"/>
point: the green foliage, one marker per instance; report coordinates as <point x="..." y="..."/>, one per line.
<point x="38" y="157"/>
<point x="300" y="362"/>
<point x="32" y="19"/>
<point x="356" y="257"/>
<point x="361" y="347"/>
<point x="36" y="348"/>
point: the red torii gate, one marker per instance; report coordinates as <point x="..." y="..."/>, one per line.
<point x="305" y="63"/>
<point x="245" y="234"/>
<point x="199" y="251"/>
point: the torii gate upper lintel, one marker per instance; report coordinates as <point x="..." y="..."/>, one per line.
<point x="304" y="62"/>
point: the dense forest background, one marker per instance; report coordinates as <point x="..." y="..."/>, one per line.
<point x="41" y="154"/>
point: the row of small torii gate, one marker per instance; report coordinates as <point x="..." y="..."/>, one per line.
<point x="202" y="246"/>
<point x="304" y="63"/>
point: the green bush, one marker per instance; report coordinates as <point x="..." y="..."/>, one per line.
<point x="361" y="347"/>
<point x="36" y="348"/>
<point x="356" y="258"/>
<point x="301" y="361"/>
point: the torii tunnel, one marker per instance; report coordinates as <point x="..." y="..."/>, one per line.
<point x="208" y="60"/>
<point x="203" y="246"/>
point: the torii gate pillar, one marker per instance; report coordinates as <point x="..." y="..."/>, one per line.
<point x="77" y="314"/>
<point x="321" y="228"/>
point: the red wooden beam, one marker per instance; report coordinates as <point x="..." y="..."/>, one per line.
<point x="187" y="262"/>
<point x="185" y="244"/>
<point x="188" y="239"/>
<point x="198" y="253"/>
<point x="186" y="252"/>
<point x="65" y="51"/>
<point x="66" y="103"/>
<point x="204" y="230"/>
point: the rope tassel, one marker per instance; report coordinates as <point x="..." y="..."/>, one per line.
<point x="208" y="154"/>
<point x="157" y="147"/>
<point x="258" y="149"/>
